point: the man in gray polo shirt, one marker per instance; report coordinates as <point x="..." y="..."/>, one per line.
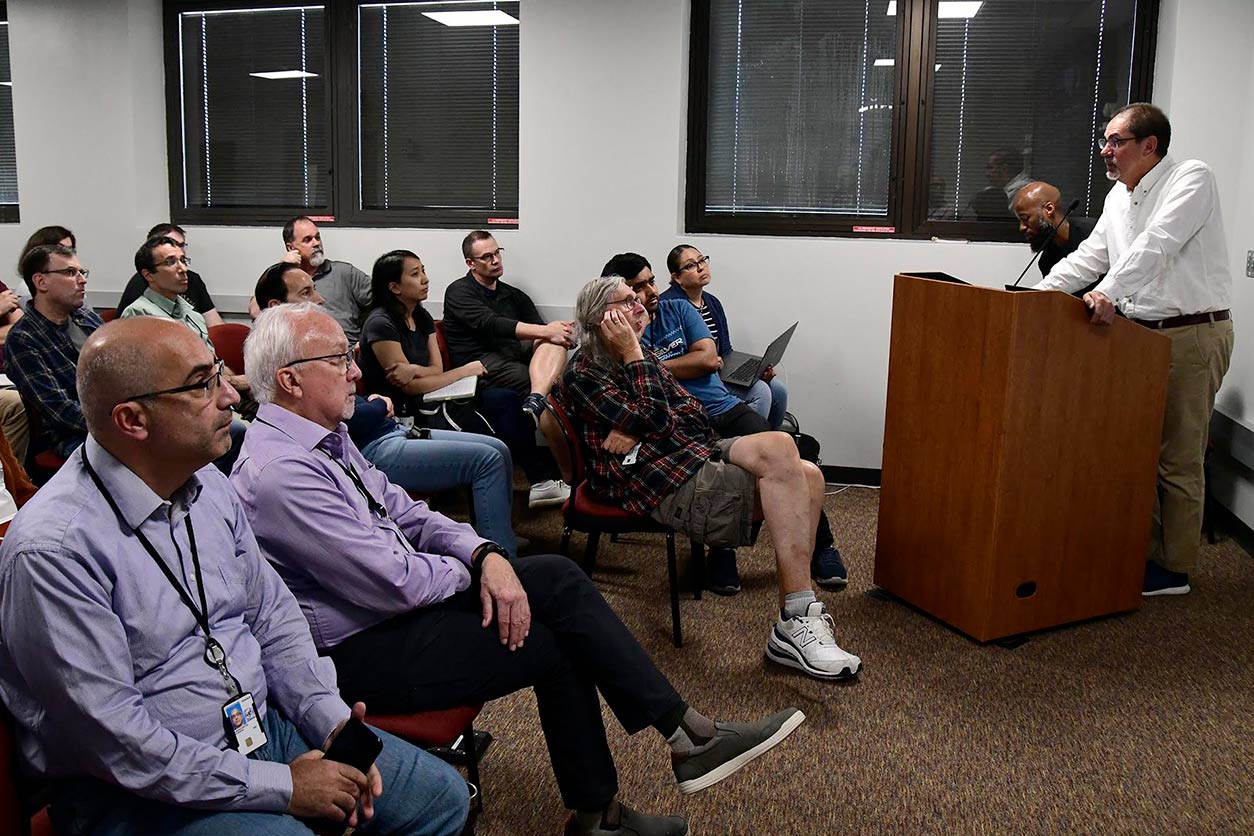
<point x="345" y="288"/>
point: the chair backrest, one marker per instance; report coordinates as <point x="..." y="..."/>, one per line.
<point x="228" y="344"/>
<point x="109" y="314"/>
<point x="442" y="341"/>
<point x="361" y="379"/>
<point x="573" y="443"/>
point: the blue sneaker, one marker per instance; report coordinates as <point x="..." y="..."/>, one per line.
<point x="1161" y="581"/>
<point x="828" y="569"/>
<point x="722" y="578"/>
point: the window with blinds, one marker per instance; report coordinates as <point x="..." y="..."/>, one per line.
<point x="438" y="108"/>
<point x="253" y="127"/>
<point x="8" y="147"/>
<point x="908" y="118"/>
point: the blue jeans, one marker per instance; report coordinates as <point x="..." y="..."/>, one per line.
<point x="422" y="796"/>
<point x="448" y="460"/>
<point x="768" y="400"/>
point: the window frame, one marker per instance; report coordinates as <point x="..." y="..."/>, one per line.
<point x="341" y="33"/>
<point x="911" y="152"/>
<point x="11" y="213"/>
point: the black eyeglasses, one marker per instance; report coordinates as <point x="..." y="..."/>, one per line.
<point x="1115" y="141"/>
<point x="69" y="272"/>
<point x="170" y="261"/>
<point x="693" y="265"/>
<point x="205" y="387"/>
<point x="343" y="359"/>
<point x="488" y="258"/>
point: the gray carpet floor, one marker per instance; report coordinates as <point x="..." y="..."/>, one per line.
<point x="1139" y="723"/>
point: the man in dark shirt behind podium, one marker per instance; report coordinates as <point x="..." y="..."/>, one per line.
<point x="1038" y="207"/>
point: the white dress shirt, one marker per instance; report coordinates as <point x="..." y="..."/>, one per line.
<point x="1161" y="245"/>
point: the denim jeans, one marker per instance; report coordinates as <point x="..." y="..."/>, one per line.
<point x="768" y="400"/>
<point x="422" y="796"/>
<point x="450" y="459"/>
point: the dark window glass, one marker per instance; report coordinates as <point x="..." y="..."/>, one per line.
<point x="8" y="150"/>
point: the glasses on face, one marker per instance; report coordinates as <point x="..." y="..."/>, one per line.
<point x="628" y="304"/>
<point x="342" y="360"/>
<point x="69" y="272"/>
<point x="172" y="260"/>
<point x="204" y="389"/>
<point x="1114" y="141"/>
<point x="488" y="258"/>
<point x="693" y="265"/>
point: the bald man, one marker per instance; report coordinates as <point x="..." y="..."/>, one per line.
<point x="137" y="614"/>
<point x="1038" y="206"/>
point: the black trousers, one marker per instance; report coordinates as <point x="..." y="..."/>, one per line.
<point x="503" y="409"/>
<point x="440" y="657"/>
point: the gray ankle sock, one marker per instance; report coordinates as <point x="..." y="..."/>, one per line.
<point x="795" y="603"/>
<point x="695" y="729"/>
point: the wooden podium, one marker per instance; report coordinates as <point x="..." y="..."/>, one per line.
<point x="1020" y="453"/>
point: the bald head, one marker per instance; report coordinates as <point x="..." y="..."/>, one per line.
<point x="1036" y="206"/>
<point x="1034" y="196"/>
<point x="132" y="356"/>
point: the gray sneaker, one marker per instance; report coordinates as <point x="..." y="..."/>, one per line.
<point x="734" y="746"/>
<point x="624" y="821"/>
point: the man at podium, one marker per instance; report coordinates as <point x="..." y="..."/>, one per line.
<point x="1160" y="241"/>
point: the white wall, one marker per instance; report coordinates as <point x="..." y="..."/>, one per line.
<point x="589" y="186"/>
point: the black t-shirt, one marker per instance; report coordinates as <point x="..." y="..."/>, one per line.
<point x="196" y="292"/>
<point x="478" y="321"/>
<point x="380" y="327"/>
<point x="1080" y="228"/>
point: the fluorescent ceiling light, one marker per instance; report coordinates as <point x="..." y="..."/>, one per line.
<point x="948" y="8"/>
<point x="484" y="18"/>
<point x="937" y="68"/>
<point x="884" y="62"/>
<point x="892" y="8"/>
<point x="275" y="75"/>
<point x="7" y="83"/>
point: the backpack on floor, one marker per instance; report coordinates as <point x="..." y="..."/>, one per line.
<point x="807" y="445"/>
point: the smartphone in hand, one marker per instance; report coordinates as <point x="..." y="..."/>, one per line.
<point x="355" y="745"/>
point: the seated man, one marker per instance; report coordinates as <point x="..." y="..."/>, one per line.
<point x="679" y="338"/>
<point x="138" y="616"/>
<point x="403" y="599"/>
<point x="651" y="451"/>
<point x="487" y="320"/>
<point x="42" y="348"/>
<point x="197" y="294"/>
<point x="426" y="462"/>
<point x="1047" y="229"/>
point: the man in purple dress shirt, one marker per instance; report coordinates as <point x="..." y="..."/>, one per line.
<point x="119" y="578"/>
<point x="403" y="599"/>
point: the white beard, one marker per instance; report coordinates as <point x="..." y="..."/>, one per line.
<point x="317" y="258"/>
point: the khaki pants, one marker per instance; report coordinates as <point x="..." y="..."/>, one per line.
<point x="13" y="423"/>
<point x="1199" y="360"/>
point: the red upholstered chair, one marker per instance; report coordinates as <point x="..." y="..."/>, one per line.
<point x="583" y="512"/>
<point x="442" y="341"/>
<point x="450" y="734"/>
<point x="361" y="379"/>
<point x="228" y="344"/>
<point x="41" y="460"/>
<point x="15" y="813"/>
<point x="109" y="314"/>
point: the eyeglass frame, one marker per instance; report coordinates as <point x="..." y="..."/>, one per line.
<point x="185" y="260"/>
<point x="694" y="265"/>
<point x="628" y="304"/>
<point x="208" y="385"/>
<point x="347" y="356"/>
<point x="1116" y="142"/>
<point x="68" y="272"/>
<point x="488" y="258"/>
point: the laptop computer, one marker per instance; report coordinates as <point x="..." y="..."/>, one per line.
<point x="744" y="369"/>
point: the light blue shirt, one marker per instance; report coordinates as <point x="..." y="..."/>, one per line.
<point x="102" y="664"/>
<point x="675" y="328"/>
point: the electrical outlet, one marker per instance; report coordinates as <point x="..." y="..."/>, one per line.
<point x="1249" y="263"/>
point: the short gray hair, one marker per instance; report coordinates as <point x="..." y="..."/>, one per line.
<point x="589" y="311"/>
<point x="273" y="342"/>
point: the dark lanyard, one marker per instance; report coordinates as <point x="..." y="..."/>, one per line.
<point x="215" y="656"/>
<point x="372" y="504"/>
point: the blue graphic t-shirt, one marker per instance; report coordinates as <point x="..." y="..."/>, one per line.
<point x="675" y="328"/>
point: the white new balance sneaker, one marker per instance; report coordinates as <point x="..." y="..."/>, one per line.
<point x="808" y="643"/>
<point x="546" y="493"/>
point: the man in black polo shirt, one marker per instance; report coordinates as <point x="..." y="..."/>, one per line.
<point x="196" y="292"/>
<point x="1037" y="206"/>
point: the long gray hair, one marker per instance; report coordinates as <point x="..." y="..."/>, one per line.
<point x="589" y="311"/>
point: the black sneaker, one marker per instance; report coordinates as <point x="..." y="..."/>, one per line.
<point x="533" y="407"/>
<point x="618" y="820"/>
<point x="732" y="747"/>
<point x="722" y="578"/>
<point x="828" y="569"/>
<point x="1162" y="581"/>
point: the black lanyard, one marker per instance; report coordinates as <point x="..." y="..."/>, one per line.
<point x="215" y="656"/>
<point x="375" y="506"/>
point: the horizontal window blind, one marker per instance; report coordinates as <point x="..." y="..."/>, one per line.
<point x="8" y="147"/>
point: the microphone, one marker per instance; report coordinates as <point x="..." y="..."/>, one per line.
<point x="1037" y="254"/>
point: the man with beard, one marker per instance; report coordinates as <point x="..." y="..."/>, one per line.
<point x="1037" y="205"/>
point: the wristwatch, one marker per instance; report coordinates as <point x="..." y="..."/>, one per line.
<point x="485" y="549"/>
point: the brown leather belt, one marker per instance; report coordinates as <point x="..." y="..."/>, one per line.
<point x="1186" y="319"/>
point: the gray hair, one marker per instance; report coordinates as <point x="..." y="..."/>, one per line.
<point x="589" y="311"/>
<point x="274" y="341"/>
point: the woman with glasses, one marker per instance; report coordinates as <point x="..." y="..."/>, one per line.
<point x="690" y="274"/>
<point x="400" y="358"/>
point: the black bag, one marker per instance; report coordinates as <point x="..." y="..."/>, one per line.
<point x="807" y="445"/>
<point x="458" y="416"/>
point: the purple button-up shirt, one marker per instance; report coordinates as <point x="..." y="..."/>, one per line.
<point x="348" y="566"/>
<point x="102" y="664"/>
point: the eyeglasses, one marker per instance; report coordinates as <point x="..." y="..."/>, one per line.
<point x="488" y="258"/>
<point x="693" y="265"/>
<point x="205" y="388"/>
<point x="69" y="272"/>
<point x="343" y="360"/>
<point x="172" y="260"/>
<point x="628" y="304"/>
<point x="1115" y="141"/>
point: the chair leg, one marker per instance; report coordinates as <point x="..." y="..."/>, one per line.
<point x="590" y="552"/>
<point x="672" y="569"/>
<point x="472" y="764"/>
<point x="565" y="547"/>
<point x="696" y="568"/>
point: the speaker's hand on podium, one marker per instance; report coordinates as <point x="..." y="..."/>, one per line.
<point x="1103" y="309"/>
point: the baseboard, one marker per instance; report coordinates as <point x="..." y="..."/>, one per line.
<point x="1228" y="523"/>
<point x="839" y="475"/>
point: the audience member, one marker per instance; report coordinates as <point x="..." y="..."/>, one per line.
<point x="424" y="461"/>
<point x="680" y="340"/>
<point x="1160" y="241"/>
<point x="1006" y="174"/>
<point x="43" y="346"/>
<point x="651" y="450"/>
<point x="196" y="293"/>
<point x="690" y="273"/>
<point x="496" y="324"/>
<point x="120" y="661"/>
<point x="1042" y="223"/>
<point x="400" y="598"/>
